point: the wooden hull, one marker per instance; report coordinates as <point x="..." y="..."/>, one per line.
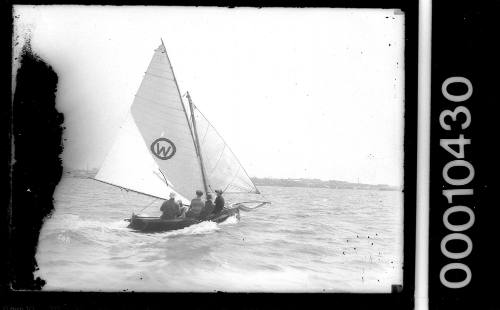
<point x="155" y="224"/>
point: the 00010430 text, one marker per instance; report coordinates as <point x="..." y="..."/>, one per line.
<point x="446" y="119"/>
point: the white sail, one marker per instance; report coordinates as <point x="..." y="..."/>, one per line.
<point x="156" y="153"/>
<point x="160" y="116"/>
<point x="223" y="170"/>
<point x="130" y="165"/>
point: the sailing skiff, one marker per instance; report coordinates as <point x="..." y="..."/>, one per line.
<point x="161" y="149"/>
<point x="155" y="224"/>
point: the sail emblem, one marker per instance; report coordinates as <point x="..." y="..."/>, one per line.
<point x="163" y="148"/>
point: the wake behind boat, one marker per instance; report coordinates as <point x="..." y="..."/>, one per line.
<point x="161" y="150"/>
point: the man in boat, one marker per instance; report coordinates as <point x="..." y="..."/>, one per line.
<point x="219" y="202"/>
<point x="196" y="206"/>
<point x="170" y="208"/>
<point x="183" y="209"/>
<point x="209" y="207"/>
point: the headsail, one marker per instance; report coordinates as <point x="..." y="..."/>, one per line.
<point x="222" y="167"/>
<point x="129" y="165"/>
<point x="157" y="145"/>
<point x="161" y="118"/>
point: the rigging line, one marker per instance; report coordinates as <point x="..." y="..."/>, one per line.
<point x="164" y="178"/>
<point x="242" y="192"/>
<point x="220" y="156"/>
<point x="242" y="189"/>
<point x="253" y="201"/>
<point x="264" y="196"/>
<point x="127" y="189"/>
<point x="149" y="205"/>
<point x="158" y="175"/>
<point x="197" y="143"/>
<point x="205" y="134"/>
<point x="206" y="130"/>
<point x="235" y="187"/>
<point x="227" y="146"/>
<point x="251" y="185"/>
<point x="232" y="179"/>
<point x="178" y="91"/>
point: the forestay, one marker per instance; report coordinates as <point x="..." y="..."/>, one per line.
<point x="162" y="121"/>
<point x="223" y="170"/>
<point x="155" y="152"/>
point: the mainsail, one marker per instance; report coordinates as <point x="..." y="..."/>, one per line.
<point x="161" y="118"/>
<point x="160" y="149"/>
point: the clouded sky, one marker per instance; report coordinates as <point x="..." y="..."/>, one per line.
<point x="313" y="93"/>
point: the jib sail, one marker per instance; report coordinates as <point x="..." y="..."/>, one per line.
<point x="156" y="151"/>
<point x="222" y="167"/>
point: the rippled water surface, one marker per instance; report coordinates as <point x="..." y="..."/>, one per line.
<point x="309" y="239"/>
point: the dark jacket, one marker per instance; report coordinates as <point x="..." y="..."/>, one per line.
<point x="170" y="209"/>
<point x="219" y="204"/>
<point x="208" y="209"/>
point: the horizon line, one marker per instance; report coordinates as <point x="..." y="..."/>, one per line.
<point x="67" y="169"/>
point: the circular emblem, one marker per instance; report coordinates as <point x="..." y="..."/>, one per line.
<point x="163" y="148"/>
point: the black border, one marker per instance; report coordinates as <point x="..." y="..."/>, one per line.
<point x="397" y="300"/>
<point x="465" y="43"/>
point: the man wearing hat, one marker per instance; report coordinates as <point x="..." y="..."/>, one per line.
<point x="170" y="208"/>
<point x="219" y="202"/>
<point x="209" y="207"/>
<point x="196" y="206"/>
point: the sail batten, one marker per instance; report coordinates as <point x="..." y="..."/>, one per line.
<point x="158" y="103"/>
<point x="159" y="76"/>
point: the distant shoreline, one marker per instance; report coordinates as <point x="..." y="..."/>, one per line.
<point x="316" y="183"/>
<point x="304" y="183"/>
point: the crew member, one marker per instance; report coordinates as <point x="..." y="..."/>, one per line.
<point x="209" y="207"/>
<point x="170" y="208"/>
<point x="183" y="209"/>
<point x="219" y="202"/>
<point x="196" y="206"/>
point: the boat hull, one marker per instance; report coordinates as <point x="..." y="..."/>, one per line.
<point x="156" y="224"/>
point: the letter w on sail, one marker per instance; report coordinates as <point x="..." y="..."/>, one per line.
<point x="163" y="148"/>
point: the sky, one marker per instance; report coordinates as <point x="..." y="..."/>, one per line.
<point x="296" y="93"/>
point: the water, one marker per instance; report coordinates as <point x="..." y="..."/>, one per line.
<point x="308" y="240"/>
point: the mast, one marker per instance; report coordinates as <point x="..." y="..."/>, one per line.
<point x="257" y="191"/>
<point x="179" y="93"/>
<point x="195" y="136"/>
<point x="197" y="142"/>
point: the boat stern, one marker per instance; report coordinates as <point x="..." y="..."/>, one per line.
<point x="135" y="222"/>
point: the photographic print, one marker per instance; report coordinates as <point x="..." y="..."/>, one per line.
<point x="213" y="149"/>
